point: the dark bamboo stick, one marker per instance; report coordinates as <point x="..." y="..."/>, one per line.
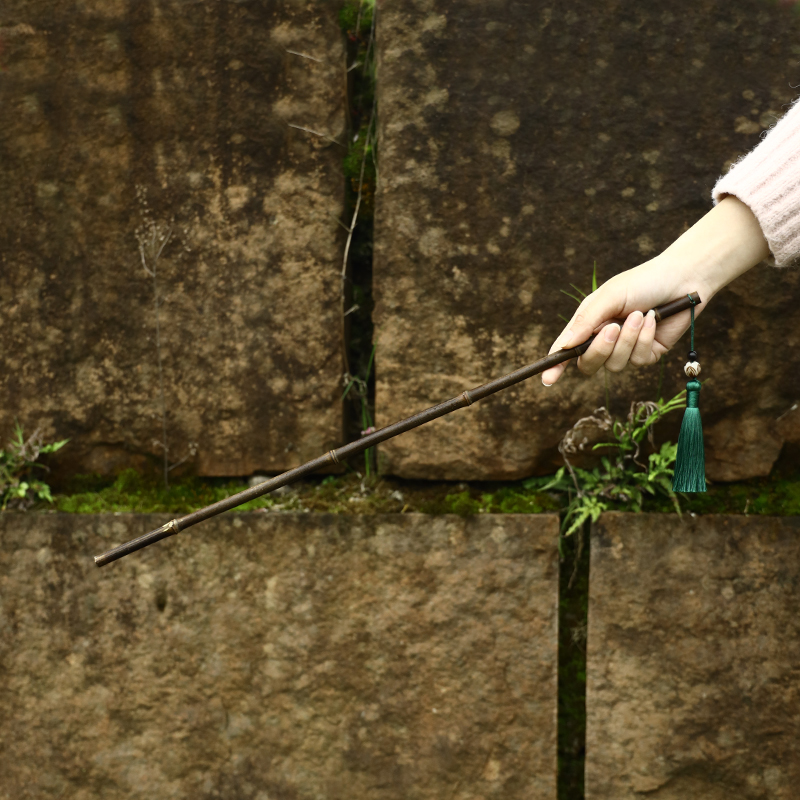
<point x="466" y="398"/>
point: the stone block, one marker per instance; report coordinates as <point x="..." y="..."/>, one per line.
<point x="176" y="126"/>
<point x="519" y="144"/>
<point x="693" y="689"/>
<point x="280" y="656"/>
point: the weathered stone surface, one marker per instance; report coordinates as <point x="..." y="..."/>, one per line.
<point x="280" y="656"/>
<point x="693" y="689"/>
<point x="121" y="118"/>
<point x="520" y="143"/>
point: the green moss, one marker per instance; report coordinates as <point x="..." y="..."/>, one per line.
<point x="777" y="495"/>
<point x="359" y="163"/>
<point x="355" y="17"/>
<point x="131" y="492"/>
<point x="334" y="494"/>
<point x="505" y="500"/>
<point x="361" y="154"/>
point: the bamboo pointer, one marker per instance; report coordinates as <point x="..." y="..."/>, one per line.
<point x="338" y="455"/>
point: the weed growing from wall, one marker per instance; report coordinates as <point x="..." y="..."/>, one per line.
<point x="152" y="237"/>
<point x="360" y="168"/>
<point x="578" y="300"/>
<point x="623" y="479"/>
<point x="20" y="484"/>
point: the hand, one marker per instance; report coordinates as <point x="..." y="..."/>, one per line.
<point x="722" y="245"/>
<point x="620" y="312"/>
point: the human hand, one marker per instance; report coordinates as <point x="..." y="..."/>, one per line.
<point x="620" y="313"/>
<point x="719" y="247"/>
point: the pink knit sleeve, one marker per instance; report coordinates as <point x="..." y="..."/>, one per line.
<point x="768" y="181"/>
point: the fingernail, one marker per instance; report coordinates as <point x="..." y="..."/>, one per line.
<point x="636" y="318"/>
<point x="565" y="339"/>
<point x="612" y="331"/>
<point x="546" y="384"/>
<point x="650" y="319"/>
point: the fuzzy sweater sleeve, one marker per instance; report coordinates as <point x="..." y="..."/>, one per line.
<point x="768" y="181"/>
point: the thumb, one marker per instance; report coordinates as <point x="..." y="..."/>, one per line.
<point x="596" y="309"/>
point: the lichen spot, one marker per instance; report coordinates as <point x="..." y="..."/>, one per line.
<point x="491" y="771"/>
<point x="436" y="97"/>
<point x="746" y="126"/>
<point x="436" y="23"/>
<point x="505" y="123"/>
<point x="237" y="196"/>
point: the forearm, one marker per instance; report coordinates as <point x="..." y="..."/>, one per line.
<point x="717" y="249"/>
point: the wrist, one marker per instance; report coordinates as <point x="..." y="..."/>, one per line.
<point x="717" y="249"/>
<point x="672" y="277"/>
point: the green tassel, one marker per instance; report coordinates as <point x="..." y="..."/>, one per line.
<point x="690" y="463"/>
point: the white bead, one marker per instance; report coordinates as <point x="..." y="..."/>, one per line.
<point x="692" y="369"/>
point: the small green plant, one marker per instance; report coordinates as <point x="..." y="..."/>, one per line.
<point x="359" y="385"/>
<point x="582" y="294"/>
<point x="579" y="300"/>
<point x="622" y="480"/>
<point x="356" y="15"/>
<point x="19" y="487"/>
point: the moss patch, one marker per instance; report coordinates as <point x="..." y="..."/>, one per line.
<point x="346" y="494"/>
<point x="89" y="494"/>
<point x="778" y="495"/>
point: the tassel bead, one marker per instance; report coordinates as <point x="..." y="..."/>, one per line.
<point x="692" y="369"/>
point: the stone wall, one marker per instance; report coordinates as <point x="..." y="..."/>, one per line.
<point x="128" y="121"/>
<point x="399" y="656"/>
<point x="516" y="149"/>
<point x="520" y="143"/>
<point x="692" y="672"/>
<point x="280" y="656"/>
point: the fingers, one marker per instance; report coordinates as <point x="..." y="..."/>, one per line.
<point x="627" y="341"/>
<point x="599" y="350"/>
<point x="643" y="355"/>
<point x="615" y="347"/>
<point x="630" y="338"/>
<point x="550" y="376"/>
<point x="604" y="304"/>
